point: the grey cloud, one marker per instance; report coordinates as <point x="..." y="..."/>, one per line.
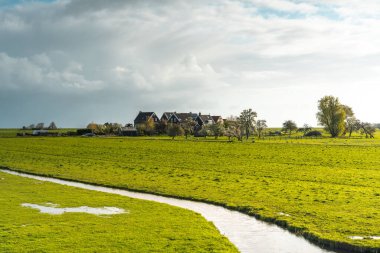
<point x="112" y="58"/>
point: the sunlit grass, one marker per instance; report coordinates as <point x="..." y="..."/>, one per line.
<point x="329" y="187"/>
<point x="145" y="227"/>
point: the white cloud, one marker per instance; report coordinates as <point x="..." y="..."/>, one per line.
<point x="287" y="6"/>
<point x="193" y="55"/>
<point x="38" y="73"/>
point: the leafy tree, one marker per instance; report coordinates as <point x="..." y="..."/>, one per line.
<point x="150" y="126"/>
<point x="112" y="128"/>
<point x="175" y="130"/>
<point x="188" y="126"/>
<point x="352" y="125"/>
<point x="217" y="130"/>
<point x="99" y="129"/>
<point x="261" y="125"/>
<point x="162" y="127"/>
<point x="289" y="126"/>
<point x="92" y="126"/>
<point x="247" y="121"/>
<point x="52" y="126"/>
<point x="332" y="115"/>
<point x="141" y="129"/>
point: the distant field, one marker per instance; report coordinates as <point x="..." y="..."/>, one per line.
<point x="12" y="132"/>
<point x="147" y="227"/>
<point x="329" y="188"/>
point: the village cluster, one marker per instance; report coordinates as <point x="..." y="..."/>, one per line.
<point x="190" y="123"/>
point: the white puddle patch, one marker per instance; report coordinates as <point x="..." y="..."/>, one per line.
<point x="51" y="208"/>
<point x="283" y="214"/>
<point x="355" y="237"/>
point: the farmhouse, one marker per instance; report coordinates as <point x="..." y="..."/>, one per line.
<point x="143" y="117"/>
<point x="204" y="120"/>
<point x="165" y="116"/>
<point x="217" y="119"/>
<point x="178" y="118"/>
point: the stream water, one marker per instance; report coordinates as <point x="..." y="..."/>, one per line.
<point x="246" y="232"/>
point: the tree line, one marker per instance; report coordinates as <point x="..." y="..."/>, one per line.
<point x="336" y="118"/>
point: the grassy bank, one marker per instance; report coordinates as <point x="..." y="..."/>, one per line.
<point x="327" y="189"/>
<point x="145" y="227"/>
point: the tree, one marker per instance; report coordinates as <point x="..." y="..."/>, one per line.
<point x="52" y="126"/>
<point x="141" y="129"/>
<point x="112" y="128"/>
<point x="332" y="115"/>
<point x="175" y="130"/>
<point x="92" y="126"/>
<point x="305" y="129"/>
<point x="40" y="126"/>
<point x="261" y="125"/>
<point x="188" y="126"/>
<point x="150" y="126"/>
<point x="289" y="126"/>
<point x="234" y="131"/>
<point x="99" y="129"/>
<point x="247" y="121"/>
<point x="368" y="129"/>
<point x="162" y="126"/>
<point x="217" y="130"/>
<point x="205" y="131"/>
<point x="352" y="125"/>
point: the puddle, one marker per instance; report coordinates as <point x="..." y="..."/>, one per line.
<point x="51" y="208"/>
<point x="245" y="232"/>
<point x="355" y="237"/>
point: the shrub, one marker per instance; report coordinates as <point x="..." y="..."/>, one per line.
<point x="313" y="134"/>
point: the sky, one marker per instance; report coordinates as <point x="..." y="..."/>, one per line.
<point x="80" y="61"/>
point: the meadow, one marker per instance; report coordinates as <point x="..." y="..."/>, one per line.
<point x="328" y="189"/>
<point x="142" y="228"/>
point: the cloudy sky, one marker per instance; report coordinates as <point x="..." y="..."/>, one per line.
<point x="79" y="61"/>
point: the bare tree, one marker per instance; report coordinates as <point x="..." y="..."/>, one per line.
<point x="52" y="126"/>
<point x="234" y="131"/>
<point x="217" y="130"/>
<point x="40" y="126"/>
<point x="188" y="126"/>
<point x="368" y="129"/>
<point x="352" y="125"/>
<point x="261" y="125"/>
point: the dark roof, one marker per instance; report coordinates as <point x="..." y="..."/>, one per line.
<point x="143" y="117"/>
<point x="205" y="118"/>
<point x="167" y="114"/>
<point x="216" y="118"/>
<point x="184" y="116"/>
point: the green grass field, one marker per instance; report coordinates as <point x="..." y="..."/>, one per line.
<point x="12" y="132"/>
<point x="329" y="187"/>
<point x="147" y="227"/>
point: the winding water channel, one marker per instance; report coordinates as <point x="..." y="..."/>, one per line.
<point x="247" y="233"/>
